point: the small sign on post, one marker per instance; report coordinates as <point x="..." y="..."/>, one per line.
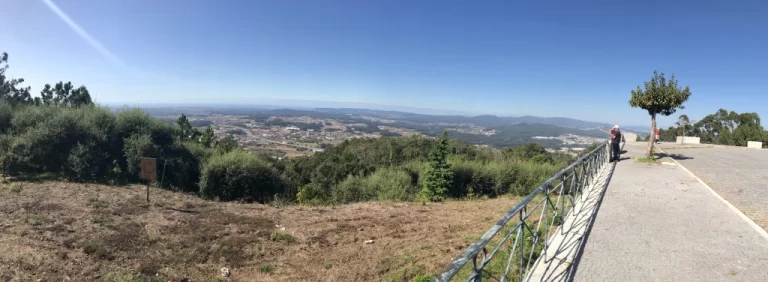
<point x="148" y="171"/>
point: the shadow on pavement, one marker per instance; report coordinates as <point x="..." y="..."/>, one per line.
<point x="573" y="234"/>
<point x="673" y="156"/>
<point x="583" y="242"/>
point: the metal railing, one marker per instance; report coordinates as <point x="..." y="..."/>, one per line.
<point x="520" y="242"/>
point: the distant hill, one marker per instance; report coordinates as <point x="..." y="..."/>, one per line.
<point x="481" y="120"/>
<point x="561" y="121"/>
<point x="510" y="131"/>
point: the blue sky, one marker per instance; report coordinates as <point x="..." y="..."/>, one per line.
<point x="576" y="59"/>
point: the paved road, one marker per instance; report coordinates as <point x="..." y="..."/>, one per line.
<point x="658" y="223"/>
<point x="739" y="175"/>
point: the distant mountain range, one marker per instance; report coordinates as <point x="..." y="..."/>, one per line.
<point x="393" y="112"/>
<point x="481" y="120"/>
<point x="522" y="126"/>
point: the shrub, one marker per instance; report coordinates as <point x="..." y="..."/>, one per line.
<point x="351" y="190"/>
<point x="239" y="175"/>
<point x="136" y="147"/>
<point x="471" y="178"/>
<point x="25" y="118"/>
<point x="179" y="168"/>
<point x="392" y="185"/>
<point x="312" y="195"/>
<point x="52" y="139"/>
<point x="6" y="115"/>
<point x="280" y="236"/>
<point x="87" y="162"/>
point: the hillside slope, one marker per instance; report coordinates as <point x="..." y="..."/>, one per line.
<point x="55" y="230"/>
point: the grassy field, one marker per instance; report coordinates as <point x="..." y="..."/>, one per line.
<point x="56" y="230"/>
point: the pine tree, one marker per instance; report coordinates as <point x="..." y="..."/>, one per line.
<point x="185" y="128"/>
<point x="438" y="177"/>
<point x="208" y="137"/>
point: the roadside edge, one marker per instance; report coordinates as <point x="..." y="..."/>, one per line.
<point x="743" y="216"/>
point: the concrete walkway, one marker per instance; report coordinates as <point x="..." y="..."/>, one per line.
<point x="659" y="223"/>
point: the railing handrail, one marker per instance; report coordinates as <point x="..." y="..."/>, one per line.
<point x="475" y="248"/>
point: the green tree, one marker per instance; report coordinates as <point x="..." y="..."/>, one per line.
<point x="64" y="95"/>
<point x="227" y="144"/>
<point x="684" y="123"/>
<point x="208" y="137"/>
<point x="185" y="128"/>
<point x="438" y="177"/>
<point x="9" y="88"/>
<point x="660" y="97"/>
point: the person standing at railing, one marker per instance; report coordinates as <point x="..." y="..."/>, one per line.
<point x="616" y="137"/>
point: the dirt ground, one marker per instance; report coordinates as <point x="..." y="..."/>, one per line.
<point x="56" y="231"/>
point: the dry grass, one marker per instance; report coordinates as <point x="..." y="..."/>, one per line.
<point x="102" y="233"/>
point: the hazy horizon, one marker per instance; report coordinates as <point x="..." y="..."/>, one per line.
<point x="312" y="105"/>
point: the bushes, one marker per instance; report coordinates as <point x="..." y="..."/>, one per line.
<point x="136" y="147"/>
<point x="42" y="139"/>
<point x="239" y="175"/>
<point x="390" y="184"/>
<point x="497" y="178"/>
<point x="87" y="161"/>
<point x="386" y="184"/>
<point x="93" y="144"/>
<point x="6" y="115"/>
<point x="352" y="189"/>
<point x="181" y="167"/>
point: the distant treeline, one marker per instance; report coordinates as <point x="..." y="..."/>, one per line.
<point x="723" y="127"/>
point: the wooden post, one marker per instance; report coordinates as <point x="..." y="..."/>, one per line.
<point x="148" y="191"/>
<point x="148" y="171"/>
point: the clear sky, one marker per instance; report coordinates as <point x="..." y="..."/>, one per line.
<point x="576" y="59"/>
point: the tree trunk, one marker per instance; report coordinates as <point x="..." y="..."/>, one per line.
<point x="651" y="138"/>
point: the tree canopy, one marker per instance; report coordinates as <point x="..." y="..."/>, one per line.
<point x="10" y="89"/>
<point x="660" y="97"/>
<point x="62" y="94"/>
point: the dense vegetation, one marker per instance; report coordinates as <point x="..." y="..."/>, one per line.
<point x="399" y="168"/>
<point x="722" y="127"/>
<point x="92" y="144"/>
<point x="63" y="133"/>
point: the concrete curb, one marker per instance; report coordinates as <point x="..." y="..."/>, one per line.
<point x="743" y="216"/>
